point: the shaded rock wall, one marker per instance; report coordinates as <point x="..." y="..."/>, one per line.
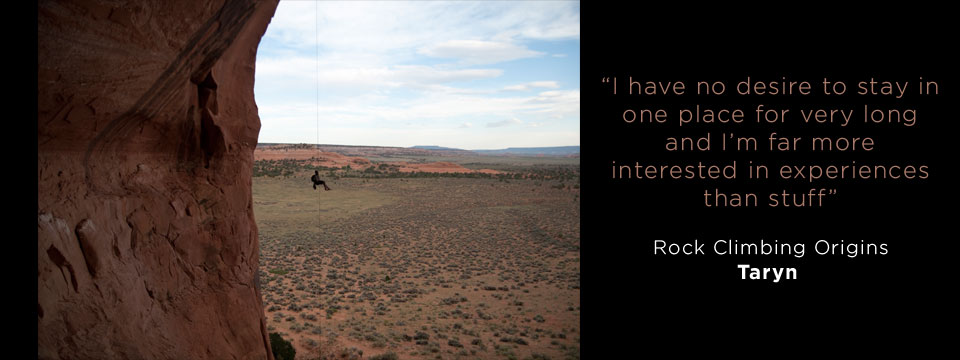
<point x="146" y="241"/>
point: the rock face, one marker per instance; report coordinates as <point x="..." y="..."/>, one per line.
<point x="146" y="241"/>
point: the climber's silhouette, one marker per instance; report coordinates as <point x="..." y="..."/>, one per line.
<point x="316" y="181"/>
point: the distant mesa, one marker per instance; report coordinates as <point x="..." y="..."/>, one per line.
<point x="534" y="151"/>
<point x="520" y="151"/>
<point x="388" y="151"/>
<point x="434" y="147"/>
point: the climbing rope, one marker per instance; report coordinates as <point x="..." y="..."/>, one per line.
<point x="316" y="297"/>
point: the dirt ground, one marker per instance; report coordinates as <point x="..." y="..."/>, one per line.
<point x="425" y="268"/>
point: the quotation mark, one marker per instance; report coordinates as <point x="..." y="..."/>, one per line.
<point x="606" y="80"/>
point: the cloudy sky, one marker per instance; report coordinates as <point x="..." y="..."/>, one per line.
<point x="472" y="75"/>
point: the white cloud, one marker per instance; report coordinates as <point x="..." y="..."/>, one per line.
<point x="556" y="96"/>
<point x="431" y="75"/>
<point x="371" y="114"/>
<point x="503" y="123"/>
<point x="301" y="72"/>
<point x="474" y="52"/>
<point x="542" y="20"/>
<point x="404" y="25"/>
<point x="530" y="85"/>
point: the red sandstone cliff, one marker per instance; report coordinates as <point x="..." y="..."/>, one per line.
<point x="146" y="242"/>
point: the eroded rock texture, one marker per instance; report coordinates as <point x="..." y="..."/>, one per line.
<point x="146" y="241"/>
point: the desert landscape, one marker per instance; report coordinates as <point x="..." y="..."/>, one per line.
<point x="419" y="254"/>
<point x="152" y="245"/>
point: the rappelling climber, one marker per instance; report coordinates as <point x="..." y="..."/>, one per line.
<point x="316" y="181"/>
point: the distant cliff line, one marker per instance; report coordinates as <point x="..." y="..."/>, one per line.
<point x="428" y="149"/>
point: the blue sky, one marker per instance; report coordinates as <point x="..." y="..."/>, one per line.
<point x="472" y="75"/>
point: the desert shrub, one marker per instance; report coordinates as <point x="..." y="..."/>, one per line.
<point x="504" y="351"/>
<point x="282" y="349"/>
<point x="421" y="338"/>
<point x="454" y="300"/>
<point x="351" y="353"/>
<point x="484" y="315"/>
<point x="511" y="339"/>
<point x="388" y="356"/>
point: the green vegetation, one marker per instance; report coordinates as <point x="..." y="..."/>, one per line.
<point x="278" y="271"/>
